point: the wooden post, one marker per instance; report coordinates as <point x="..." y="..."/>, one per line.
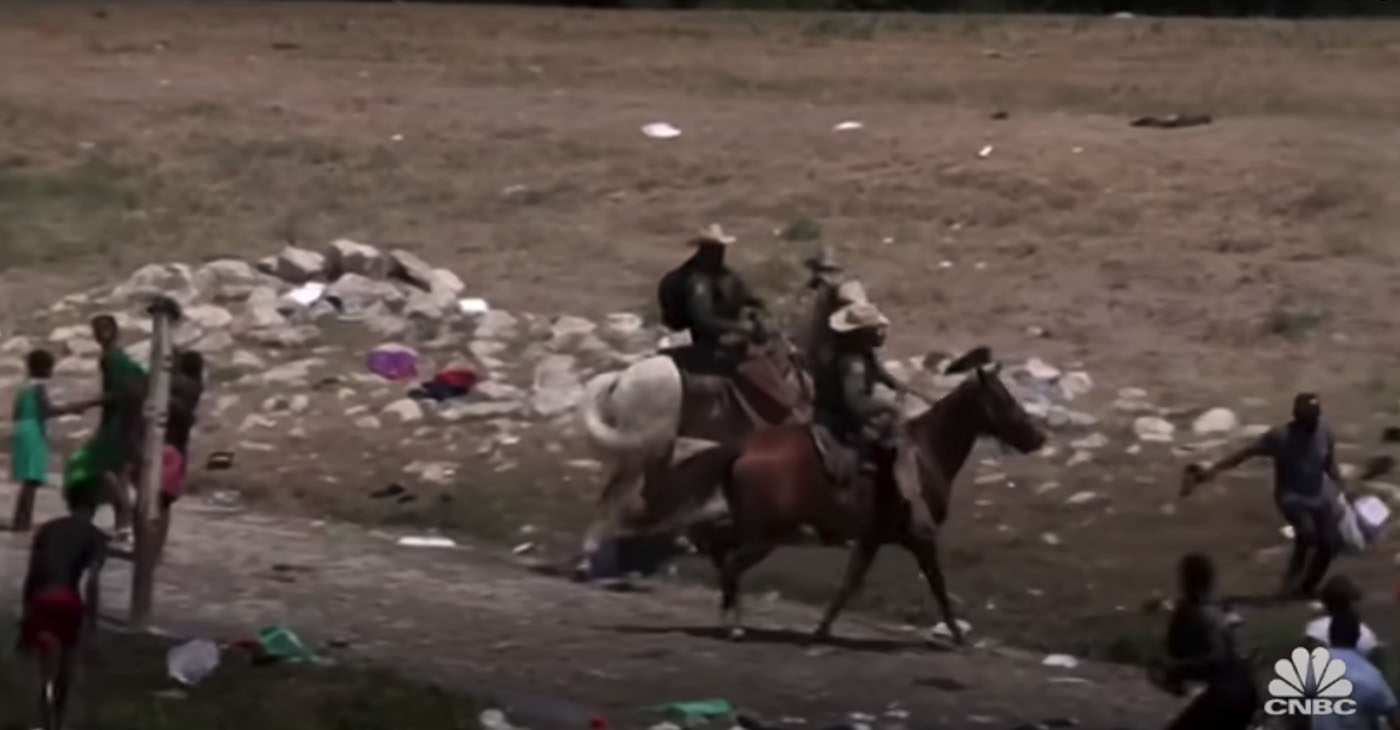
<point x="164" y="313"/>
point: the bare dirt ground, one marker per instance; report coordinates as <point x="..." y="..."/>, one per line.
<point x="1227" y="264"/>
<point x="469" y="620"/>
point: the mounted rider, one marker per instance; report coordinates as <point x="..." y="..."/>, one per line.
<point x="848" y="408"/>
<point x="730" y="337"/>
<point x="829" y="292"/>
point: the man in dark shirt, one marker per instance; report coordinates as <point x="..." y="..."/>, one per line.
<point x="1303" y="452"/>
<point x="1201" y="649"/>
<point x="66" y="553"/>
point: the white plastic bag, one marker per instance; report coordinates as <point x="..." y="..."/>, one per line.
<point x="191" y="662"/>
<point x="1353" y="538"/>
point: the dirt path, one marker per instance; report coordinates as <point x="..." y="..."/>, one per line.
<point x="461" y="615"/>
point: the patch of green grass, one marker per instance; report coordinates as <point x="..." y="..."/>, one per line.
<point x="802" y="229"/>
<point x="1294" y="320"/>
<point x="129" y="690"/>
<point x="39" y="205"/>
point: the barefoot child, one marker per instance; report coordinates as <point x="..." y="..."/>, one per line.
<point x="67" y="553"/>
<point x="29" y="446"/>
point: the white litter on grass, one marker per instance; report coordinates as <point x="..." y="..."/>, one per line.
<point x="945" y="264"/>
<point x="191" y="662"/>
<point x="307" y="294"/>
<point x="1371" y="511"/>
<point x="437" y="542"/>
<point x="473" y="305"/>
<point x="985" y="151"/>
<point x="941" y="629"/>
<point x="848" y="126"/>
<point x="660" y="130"/>
<point x="1064" y="661"/>
<point x="397" y="138"/>
<point x="523" y="548"/>
<point x="1286" y="531"/>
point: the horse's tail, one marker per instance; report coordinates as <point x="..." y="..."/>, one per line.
<point x="649" y="393"/>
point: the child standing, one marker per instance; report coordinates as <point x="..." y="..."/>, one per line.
<point x="29" y="446"/>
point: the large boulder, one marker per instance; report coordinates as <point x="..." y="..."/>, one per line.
<point x="497" y="324"/>
<point x="407" y="266"/>
<point x="172" y="280"/>
<point x="345" y="256"/>
<point x="298" y="265"/>
<point x="228" y="280"/>
<point x="557" y="387"/>
<point x="357" y="294"/>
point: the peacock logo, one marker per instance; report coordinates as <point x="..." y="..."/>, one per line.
<point x="1310" y="684"/>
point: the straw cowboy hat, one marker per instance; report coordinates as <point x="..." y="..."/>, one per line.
<point x="851" y="292"/>
<point x="824" y="261"/>
<point x="713" y="234"/>
<point x="855" y="316"/>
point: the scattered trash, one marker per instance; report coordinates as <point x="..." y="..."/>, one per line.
<point x="280" y="644"/>
<point x="1372" y="514"/>
<point x="445" y="385"/>
<point x="848" y="126"/>
<point x="985" y="151"/>
<point x="860" y="717"/>
<point x="1172" y="121"/>
<point x="438" y="542"/>
<point x="393" y="362"/>
<point x="1000" y="114"/>
<point x="690" y="710"/>
<point x="393" y="490"/>
<point x="1050" y="538"/>
<point x="473" y="305"/>
<point x="397" y="138"/>
<point x="523" y="548"/>
<point x="494" y="719"/>
<point x="1286" y="531"/>
<point x="660" y="130"/>
<point x="941" y="629"/>
<point x="219" y="461"/>
<point x="191" y="662"/>
<point x="665" y="726"/>
<point x="307" y="294"/>
<point x="1060" y="660"/>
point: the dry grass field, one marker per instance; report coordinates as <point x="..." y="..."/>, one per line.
<point x="1243" y="259"/>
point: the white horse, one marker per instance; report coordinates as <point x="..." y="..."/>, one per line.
<point x="630" y="418"/>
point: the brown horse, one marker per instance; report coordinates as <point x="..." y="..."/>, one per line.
<point x="777" y="485"/>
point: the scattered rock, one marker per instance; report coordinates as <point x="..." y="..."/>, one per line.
<point x="350" y="257"/>
<point x="172" y="280"/>
<point x="207" y="316"/>
<point x="1082" y="498"/>
<point x="556" y="385"/>
<point x="355" y="294"/>
<point x="407" y="266"/>
<point x="1154" y="429"/>
<point x="1215" y="421"/>
<point x="369" y="423"/>
<point x="1074" y="384"/>
<point x="226" y="280"/>
<point x="406" y="410"/>
<point x="1092" y="441"/>
<point x="1040" y="370"/>
<point x="568" y="332"/>
<point x="298" y="265"/>
<point x="497" y="324"/>
<point x="297" y="372"/>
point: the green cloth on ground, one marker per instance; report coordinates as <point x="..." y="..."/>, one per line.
<point x="697" y="709"/>
<point x="29" y="444"/>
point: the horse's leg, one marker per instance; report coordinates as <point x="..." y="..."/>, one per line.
<point x="925" y="550"/>
<point x="857" y="565"/>
<point x="735" y="563"/>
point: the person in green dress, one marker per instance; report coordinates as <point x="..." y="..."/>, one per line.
<point x="29" y="444"/>
<point x="115" y="448"/>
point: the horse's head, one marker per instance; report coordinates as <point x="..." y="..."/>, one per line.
<point x="994" y="411"/>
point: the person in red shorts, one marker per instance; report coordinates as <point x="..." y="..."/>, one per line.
<point x="66" y="553"/>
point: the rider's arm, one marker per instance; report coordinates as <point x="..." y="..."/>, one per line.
<point x="862" y="403"/>
<point x="702" y="310"/>
<point x="888" y="379"/>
